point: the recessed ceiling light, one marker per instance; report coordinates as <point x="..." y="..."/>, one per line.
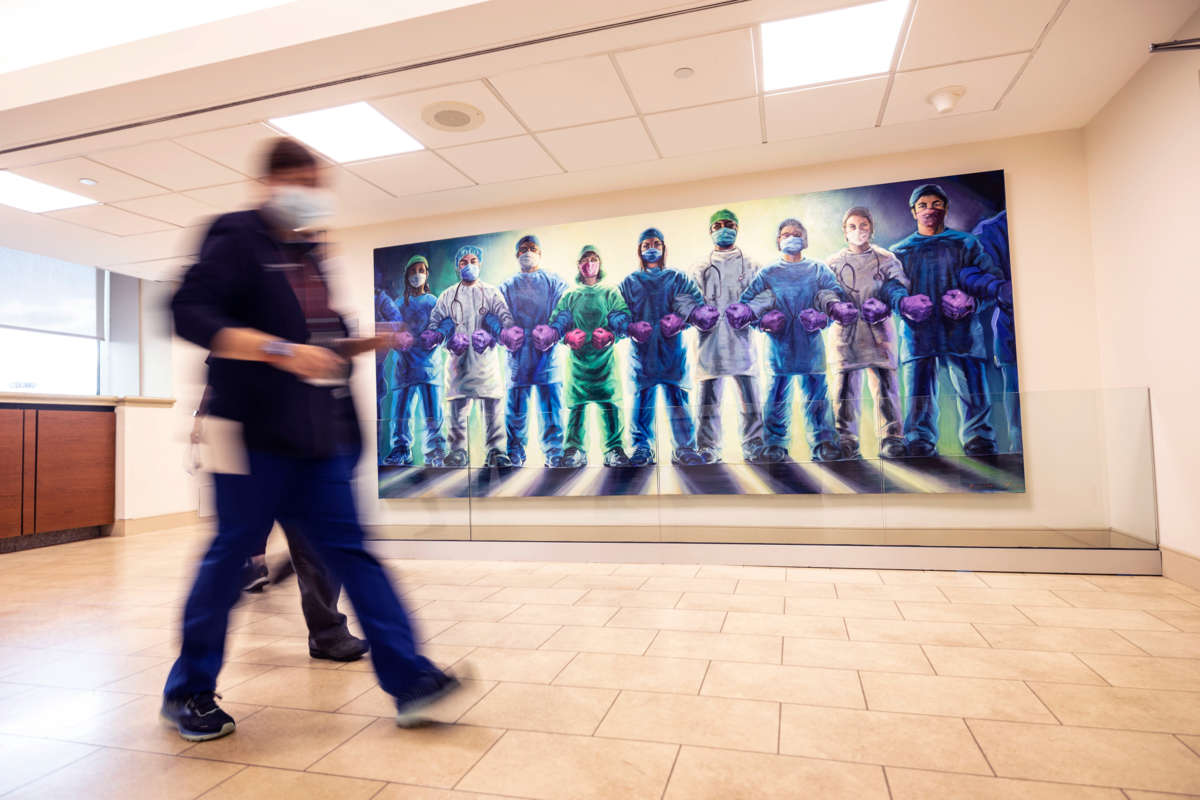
<point x="88" y="181"/>
<point x="30" y="195"/>
<point x="831" y="46"/>
<point x="452" y="116"/>
<point x="353" y="132"/>
<point x="684" y="72"/>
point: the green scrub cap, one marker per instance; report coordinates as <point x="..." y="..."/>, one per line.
<point x="724" y="213"/>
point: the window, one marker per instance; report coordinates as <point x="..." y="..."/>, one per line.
<point x="48" y="363"/>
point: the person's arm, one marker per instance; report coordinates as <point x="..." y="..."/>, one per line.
<point x="497" y="307"/>
<point x="758" y="296"/>
<point x="687" y="297"/>
<point x="440" y="320"/>
<point x="829" y="291"/>
<point x="618" y="317"/>
<point x="979" y="275"/>
<point x="562" y="319"/>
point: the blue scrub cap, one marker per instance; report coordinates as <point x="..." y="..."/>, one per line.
<point x="529" y="237"/>
<point x="790" y="221"/>
<point x="652" y="233"/>
<point x="468" y="250"/>
<point x="924" y="189"/>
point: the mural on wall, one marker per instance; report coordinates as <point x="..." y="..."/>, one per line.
<point x="847" y="341"/>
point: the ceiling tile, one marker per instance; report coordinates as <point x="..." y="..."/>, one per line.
<point x="405" y="110"/>
<point x="945" y="31"/>
<point x="410" y="173"/>
<point x="984" y="80"/>
<point x="229" y="197"/>
<point x="110" y="185"/>
<point x="565" y="93"/>
<point x="178" y="209"/>
<point x="111" y="220"/>
<point x="241" y="148"/>
<point x="502" y="160"/>
<point x="723" y="69"/>
<point x="353" y="197"/>
<point x="715" y="127"/>
<point x="826" y="109"/>
<point x="620" y="141"/>
<point x="168" y="164"/>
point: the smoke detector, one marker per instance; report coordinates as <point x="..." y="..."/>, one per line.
<point x="946" y="98"/>
<point x="452" y="117"/>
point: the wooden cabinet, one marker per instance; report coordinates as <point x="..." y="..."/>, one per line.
<point x="57" y="469"/>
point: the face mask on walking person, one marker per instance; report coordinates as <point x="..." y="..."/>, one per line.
<point x="297" y="207"/>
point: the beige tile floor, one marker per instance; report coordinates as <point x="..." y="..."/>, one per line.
<point x="615" y="681"/>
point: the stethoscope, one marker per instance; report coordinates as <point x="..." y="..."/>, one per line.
<point x="741" y="267"/>
<point x="851" y="284"/>
<point x="460" y="316"/>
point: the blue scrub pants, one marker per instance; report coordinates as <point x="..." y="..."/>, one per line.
<point x="968" y="376"/>
<point x="1012" y="406"/>
<point x="431" y="406"/>
<point x="818" y="419"/>
<point x="516" y="419"/>
<point x="683" y="430"/>
<point x="316" y="496"/>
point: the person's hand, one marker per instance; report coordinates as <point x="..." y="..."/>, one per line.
<point x="844" y="313"/>
<point x="916" y="308"/>
<point x="875" y="310"/>
<point x="430" y="339"/>
<point x="957" y="304"/>
<point x="773" y="322"/>
<point x="458" y="344"/>
<point x="812" y="320"/>
<point x="671" y="325"/>
<point x="513" y="338"/>
<point x="481" y="340"/>
<point x="544" y="337"/>
<point x="705" y="318"/>
<point x="640" y="331"/>
<point x="402" y="341"/>
<point x="602" y="338"/>
<point x="739" y="315"/>
<point x="575" y="338"/>
<point x="310" y="362"/>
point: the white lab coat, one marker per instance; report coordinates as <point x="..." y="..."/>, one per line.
<point x="861" y="275"/>
<point x="724" y="350"/>
<point x="472" y="374"/>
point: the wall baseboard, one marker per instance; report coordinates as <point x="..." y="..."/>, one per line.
<point x="132" y="527"/>
<point x="1181" y="567"/>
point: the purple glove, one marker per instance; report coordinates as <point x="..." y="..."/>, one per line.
<point x="671" y="325"/>
<point x="843" y="313"/>
<point x="875" y="311"/>
<point x="430" y="339"/>
<point x="602" y="338"/>
<point x="575" y="339"/>
<point x="640" y="331"/>
<point x="812" y="320"/>
<point x="773" y="322"/>
<point x="458" y="344"/>
<point x="544" y="337"/>
<point x="404" y="341"/>
<point x="481" y="340"/>
<point x="916" y="308"/>
<point x="705" y="318"/>
<point x="739" y="315"/>
<point x="513" y="338"/>
<point x="956" y="304"/>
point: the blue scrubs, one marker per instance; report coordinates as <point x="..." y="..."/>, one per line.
<point x="935" y="265"/>
<point x="794" y="352"/>
<point x="651" y="294"/>
<point x="532" y="298"/>
<point x="992" y="234"/>
<point x="416" y="377"/>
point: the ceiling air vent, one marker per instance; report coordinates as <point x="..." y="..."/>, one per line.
<point x="452" y="117"/>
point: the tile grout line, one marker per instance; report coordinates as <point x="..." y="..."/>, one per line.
<point x="224" y="780"/>
<point x="983" y="753"/>
<point x="887" y="783"/>
<point x="96" y="749"/>
<point x="671" y="772"/>
<point x="482" y="756"/>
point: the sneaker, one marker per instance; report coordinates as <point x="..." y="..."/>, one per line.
<point x="351" y="648"/>
<point x="920" y="448"/>
<point x="428" y="689"/>
<point x="686" y="457"/>
<point x="616" y="458"/>
<point x="574" y="458"/>
<point x="849" y="450"/>
<point x="400" y="456"/>
<point x="773" y="454"/>
<point x="496" y="458"/>
<point x="642" y="457"/>
<point x="826" y="451"/>
<point x="892" y="447"/>
<point x="516" y="459"/>
<point x="435" y="458"/>
<point x="554" y="461"/>
<point x="456" y="458"/>
<point x="254" y="577"/>
<point x="198" y="717"/>
<point x="980" y="446"/>
<point x="710" y="455"/>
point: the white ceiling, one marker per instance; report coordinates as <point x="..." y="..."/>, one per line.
<point x="573" y="115"/>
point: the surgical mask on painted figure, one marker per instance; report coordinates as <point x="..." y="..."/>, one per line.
<point x="792" y="244"/>
<point x="416" y="280"/>
<point x="529" y="261"/>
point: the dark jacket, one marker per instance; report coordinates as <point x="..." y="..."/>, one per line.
<point x="241" y="281"/>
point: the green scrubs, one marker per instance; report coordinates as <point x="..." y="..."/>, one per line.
<point x="592" y="376"/>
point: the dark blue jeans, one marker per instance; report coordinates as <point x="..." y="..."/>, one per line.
<point x="818" y="418"/>
<point x="429" y="396"/>
<point x="315" y="495"/>
<point x="968" y="377"/>
<point x="683" y="430"/>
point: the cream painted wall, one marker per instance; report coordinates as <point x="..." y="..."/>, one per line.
<point x="1057" y="335"/>
<point x="1143" y="163"/>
